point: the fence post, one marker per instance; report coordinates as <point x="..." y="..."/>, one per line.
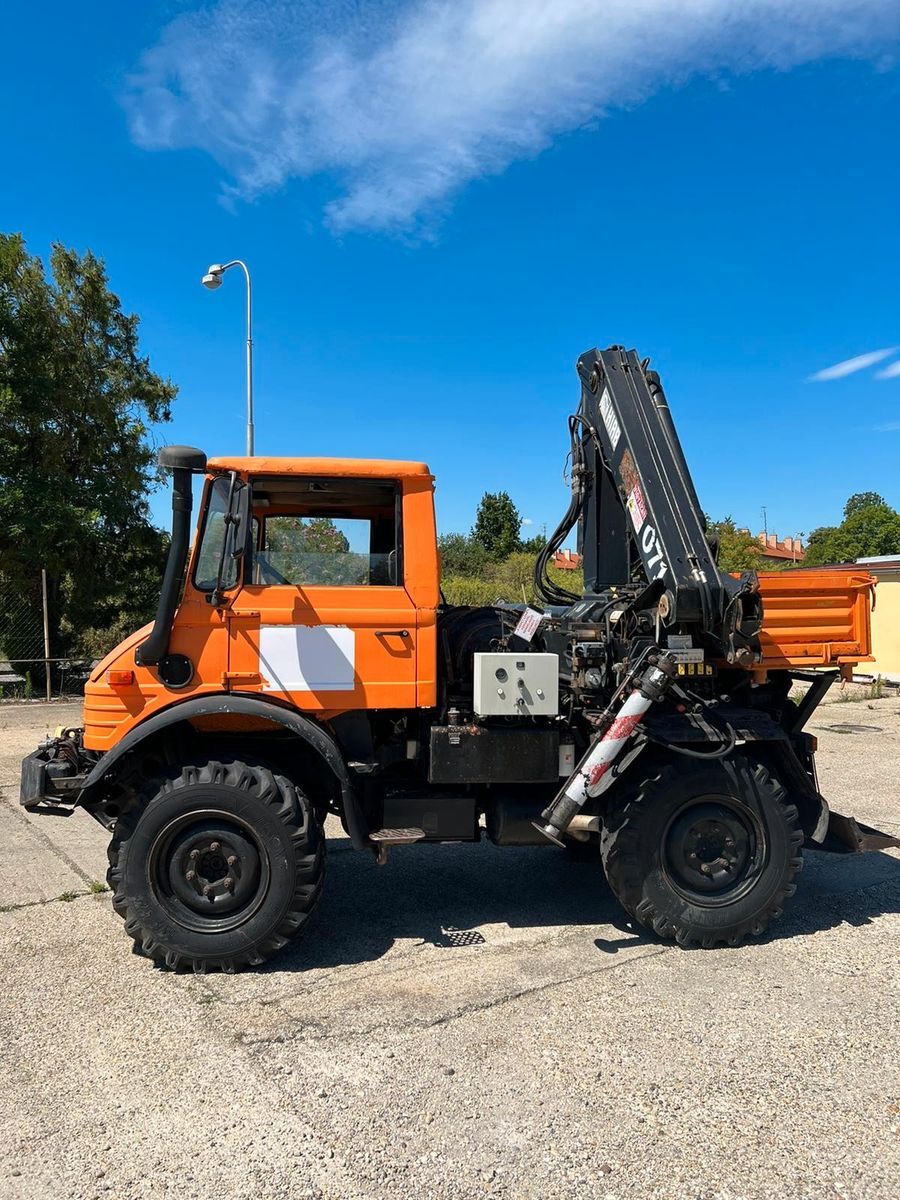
<point x="46" y="633"/>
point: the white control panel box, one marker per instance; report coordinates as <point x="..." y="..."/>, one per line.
<point x="516" y="685"/>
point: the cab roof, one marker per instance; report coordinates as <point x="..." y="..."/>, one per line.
<point x="358" y="468"/>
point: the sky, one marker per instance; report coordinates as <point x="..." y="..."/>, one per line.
<point x="443" y="204"/>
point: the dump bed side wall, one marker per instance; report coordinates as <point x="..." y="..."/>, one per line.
<point x="815" y="618"/>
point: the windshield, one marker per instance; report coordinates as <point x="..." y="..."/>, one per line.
<point x="212" y="541"/>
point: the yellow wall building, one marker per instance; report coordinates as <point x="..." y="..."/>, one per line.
<point x="885" y="618"/>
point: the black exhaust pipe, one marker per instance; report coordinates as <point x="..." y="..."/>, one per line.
<point x="182" y="461"/>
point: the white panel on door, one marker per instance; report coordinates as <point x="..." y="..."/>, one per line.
<point x="307" y="658"/>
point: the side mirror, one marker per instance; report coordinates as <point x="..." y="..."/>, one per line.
<point x="240" y="522"/>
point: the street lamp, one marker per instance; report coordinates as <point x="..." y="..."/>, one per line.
<point x="212" y="280"/>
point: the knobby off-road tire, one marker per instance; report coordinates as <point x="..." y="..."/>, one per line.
<point x="705" y="853"/>
<point x="216" y="865"/>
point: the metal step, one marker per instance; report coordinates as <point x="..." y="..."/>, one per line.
<point x="396" y="837"/>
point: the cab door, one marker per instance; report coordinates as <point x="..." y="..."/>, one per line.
<point x="324" y="621"/>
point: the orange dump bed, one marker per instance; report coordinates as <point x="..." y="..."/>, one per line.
<point x="816" y="617"/>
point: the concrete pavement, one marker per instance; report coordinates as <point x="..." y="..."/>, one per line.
<point x="463" y="1022"/>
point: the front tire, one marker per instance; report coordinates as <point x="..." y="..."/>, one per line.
<point x="704" y="853"/>
<point x="217" y="866"/>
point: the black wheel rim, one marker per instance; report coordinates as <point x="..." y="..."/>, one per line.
<point x="208" y="870"/>
<point x="714" y="850"/>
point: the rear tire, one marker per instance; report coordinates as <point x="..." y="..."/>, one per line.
<point x="216" y="866"/>
<point x="705" y="853"/>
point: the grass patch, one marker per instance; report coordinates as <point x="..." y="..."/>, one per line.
<point x="870" y="691"/>
<point x="67" y="897"/>
<point x="96" y="888"/>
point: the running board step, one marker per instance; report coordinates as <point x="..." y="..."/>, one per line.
<point x="396" y="837"/>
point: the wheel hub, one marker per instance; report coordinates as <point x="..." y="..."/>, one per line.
<point x="710" y="848"/>
<point x="209" y="872"/>
<point x="219" y="870"/>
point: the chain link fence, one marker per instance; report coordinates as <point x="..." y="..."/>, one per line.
<point x="29" y="668"/>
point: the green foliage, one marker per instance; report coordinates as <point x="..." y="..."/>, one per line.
<point x="737" y="551"/>
<point x="497" y="525"/>
<point x="510" y="580"/>
<point x="76" y="464"/>
<point x="870" y="527"/>
<point x="464" y="589"/>
<point x="860" y="500"/>
<point x="534" y="545"/>
<point x="119" y="595"/>
<point x="461" y="555"/>
<point x="312" y="550"/>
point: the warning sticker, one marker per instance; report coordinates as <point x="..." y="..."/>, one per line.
<point x="637" y="508"/>
<point x="528" y="624"/>
<point x="610" y="420"/>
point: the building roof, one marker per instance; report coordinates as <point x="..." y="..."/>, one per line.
<point x="880" y="562"/>
<point x="566" y="560"/>
<point x="789" y="549"/>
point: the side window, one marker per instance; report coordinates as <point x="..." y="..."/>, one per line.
<point x="328" y="533"/>
<point x="212" y="542"/>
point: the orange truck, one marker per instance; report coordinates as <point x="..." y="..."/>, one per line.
<point x="302" y="663"/>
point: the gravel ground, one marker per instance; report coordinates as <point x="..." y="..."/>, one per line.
<point x="464" y="1022"/>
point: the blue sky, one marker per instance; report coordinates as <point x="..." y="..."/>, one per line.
<point x="444" y="204"/>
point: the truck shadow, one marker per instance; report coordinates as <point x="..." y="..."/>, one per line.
<point x="445" y="896"/>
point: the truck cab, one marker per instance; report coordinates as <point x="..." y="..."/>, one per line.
<point x="325" y="601"/>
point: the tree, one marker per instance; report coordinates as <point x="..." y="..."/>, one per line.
<point x="738" y="551"/>
<point x="870" y="527"/>
<point x="312" y="550"/>
<point x="461" y="555"/>
<point x="76" y="463"/>
<point x="497" y="525"/>
<point x="534" y="545"/>
<point x="860" y="500"/>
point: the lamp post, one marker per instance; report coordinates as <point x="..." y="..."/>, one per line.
<point x="212" y="280"/>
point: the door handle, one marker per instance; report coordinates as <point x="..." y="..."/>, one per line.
<point x="403" y="633"/>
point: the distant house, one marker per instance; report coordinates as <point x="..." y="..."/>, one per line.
<point x="566" y="560"/>
<point x="788" y="550"/>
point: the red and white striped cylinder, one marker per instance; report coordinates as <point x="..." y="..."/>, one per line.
<point x="588" y="775"/>
<point x="587" y="778"/>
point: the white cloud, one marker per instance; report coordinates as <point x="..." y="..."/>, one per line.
<point x="850" y="365"/>
<point x="892" y="371"/>
<point x="527" y="521"/>
<point x="399" y="104"/>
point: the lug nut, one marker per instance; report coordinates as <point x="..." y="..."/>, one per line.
<point x="194" y="854"/>
<point x="231" y="859"/>
<point x="207" y="888"/>
<point x="228" y="883"/>
<point x="215" y="846"/>
<point x="190" y="875"/>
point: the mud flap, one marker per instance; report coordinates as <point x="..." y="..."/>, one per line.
<point x="846" y="835"/>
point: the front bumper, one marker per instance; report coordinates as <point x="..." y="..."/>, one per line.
<point x="48" y="782"/>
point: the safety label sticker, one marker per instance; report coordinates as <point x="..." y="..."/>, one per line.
<point x="528" y="624"/>
<point x="637" y="508"/>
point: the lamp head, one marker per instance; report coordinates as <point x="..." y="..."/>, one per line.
<point x="213" y="277"/>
